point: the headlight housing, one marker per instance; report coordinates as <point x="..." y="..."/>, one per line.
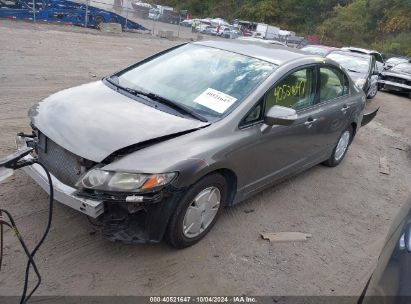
<point x="360" y="83"/>
<point x="98" y="179"/>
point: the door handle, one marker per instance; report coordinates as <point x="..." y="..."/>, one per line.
<point x="309" y="122"/>
<point x="345" y="108"/>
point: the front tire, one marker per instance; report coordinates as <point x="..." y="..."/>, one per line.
<point x="197" y="212"/>
<point x="340" y="148"/>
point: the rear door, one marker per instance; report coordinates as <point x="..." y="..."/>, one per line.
<point x="334" y="104"/>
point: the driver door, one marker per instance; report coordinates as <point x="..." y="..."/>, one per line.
<point x="279" y="151"/>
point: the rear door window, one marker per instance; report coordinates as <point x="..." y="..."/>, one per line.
<point x="333" y="84"/>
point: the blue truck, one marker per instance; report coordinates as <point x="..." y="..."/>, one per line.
<point x="63" y="11"/>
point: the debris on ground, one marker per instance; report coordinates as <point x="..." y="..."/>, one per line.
<point x="286" y="236"/>
<point x="384" y="168"/>
<point x="403" y="147"/>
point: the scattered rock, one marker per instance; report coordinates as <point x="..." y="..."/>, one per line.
<point x="402" y="147"/>
<point x="384" y="168"/>
<point x="286" y="236"/>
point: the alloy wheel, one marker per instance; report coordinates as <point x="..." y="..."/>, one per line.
<point x="201" y="212"/>
<point x="342" y="145"/>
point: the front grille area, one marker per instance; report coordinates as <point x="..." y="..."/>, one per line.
<point x="396" y="79"/>
<point x="64" y="165"/>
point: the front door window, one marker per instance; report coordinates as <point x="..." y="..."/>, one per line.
<point x="294" y="91"/>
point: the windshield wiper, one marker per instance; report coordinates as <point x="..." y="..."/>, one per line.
<point x="354" y="71"/>
<point x="181" y="108"/>
<point x="114" y="81"/>
<point x="177" y="106"/>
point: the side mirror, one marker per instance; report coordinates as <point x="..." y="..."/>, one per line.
<point x="279" y="115"/>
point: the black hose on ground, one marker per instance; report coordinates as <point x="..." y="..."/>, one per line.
<point x="30" y="255"/>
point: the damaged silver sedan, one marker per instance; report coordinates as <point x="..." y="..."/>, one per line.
<point x="158" y="149"/>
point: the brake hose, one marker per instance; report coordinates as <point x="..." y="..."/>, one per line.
<point x="30" y="255"/>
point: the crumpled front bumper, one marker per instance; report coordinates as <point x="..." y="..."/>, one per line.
<point x="62" y="192"/>
<point x="125" y="218"/>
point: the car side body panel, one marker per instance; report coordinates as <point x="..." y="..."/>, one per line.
<point x="390" y="281"/>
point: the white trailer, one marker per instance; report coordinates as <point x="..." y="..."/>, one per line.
<point x="266" y="31"/>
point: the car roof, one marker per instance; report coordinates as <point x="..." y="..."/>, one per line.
<point x="253" y="39"/>
<point x="352" y="54"/>
<point x="360" y="50"/>
<point x="273" y="53"/>
<point x="320" y="46"/>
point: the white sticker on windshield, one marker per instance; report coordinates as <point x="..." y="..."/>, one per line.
<point x="215" y="100"/>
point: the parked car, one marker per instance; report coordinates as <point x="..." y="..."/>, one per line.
<point x="187" y="22"/>
<point x="210" y="30"/>
<point x="321" y="50"/>
<point x="377" y="55"/>
<point x="231" y="34"/>
<point x="153" y="14"/>
<point x="361" y="67"/>
<point x="202" y="27"/>
<point x="294" y="41"/>
<point x="393" y="61"/>
<point x="259" y="40"/>
<point x="161" y="158"/>
<point x="222" y="30"/>
<point x="390" y="281"/>
<point x="397" y="78"/>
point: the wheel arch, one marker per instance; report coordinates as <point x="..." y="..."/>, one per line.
<point x="228" y="174"/>
<point x="231" y="179"/>
<point x="354" y="129"/>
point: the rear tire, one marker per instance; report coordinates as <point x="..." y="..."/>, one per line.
<point x="199" y="204"/>
<point x="340" y="148"/>
<point x="98" y="21"/>
<point x="373" y="91"/>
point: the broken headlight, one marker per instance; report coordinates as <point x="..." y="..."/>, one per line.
<point x="98" y="179"/>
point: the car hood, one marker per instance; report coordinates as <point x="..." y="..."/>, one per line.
<point x="397" y="74"/>
<point x="93" y="121"/>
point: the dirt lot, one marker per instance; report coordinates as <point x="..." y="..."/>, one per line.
<point x="347" y="209"/>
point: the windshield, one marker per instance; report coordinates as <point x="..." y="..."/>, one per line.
<point x="351" y="63"/>
<point x="402" y="68"/>
<point x="207" y="80"/>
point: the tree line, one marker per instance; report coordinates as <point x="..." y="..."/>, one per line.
<point x="381" y="24"/>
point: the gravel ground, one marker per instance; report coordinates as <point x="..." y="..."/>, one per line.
<point x="347" y="209"/>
